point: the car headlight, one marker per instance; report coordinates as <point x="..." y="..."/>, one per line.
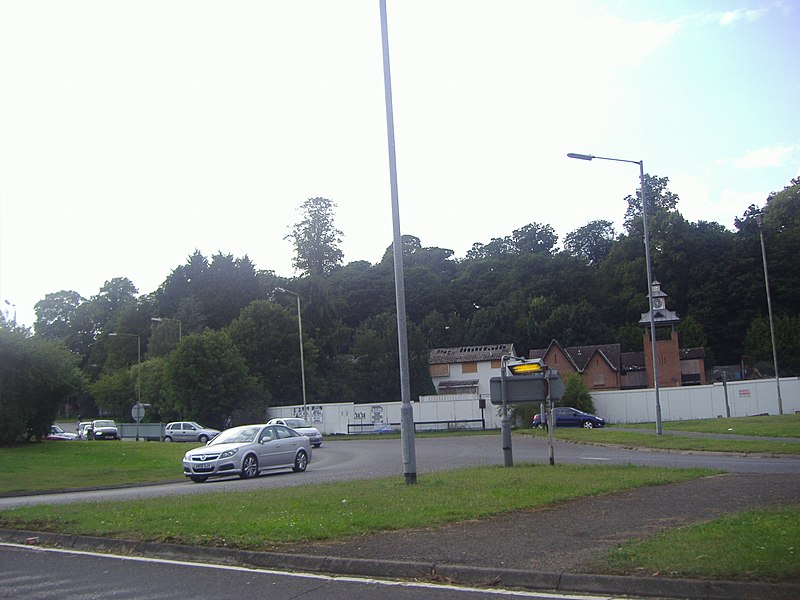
<point x="229" y="453"/>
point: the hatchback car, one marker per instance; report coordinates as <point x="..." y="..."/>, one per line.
<point x="188" y="431"/>
<point x="570" y="417"/>
<point x="99" y="429"/>
<point x="302" y="427"/>
<point x="248" y="450"/>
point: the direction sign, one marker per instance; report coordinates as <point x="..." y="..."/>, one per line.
<point x="527" y="388"/>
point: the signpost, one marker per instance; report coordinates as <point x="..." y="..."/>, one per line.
<point x="137" y="412"/>
<point x="531" y="381"/>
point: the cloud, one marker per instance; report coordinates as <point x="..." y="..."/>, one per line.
<point x="734" y="16"/>
<point x="773" y="156"/>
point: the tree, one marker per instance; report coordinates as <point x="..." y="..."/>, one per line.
<point x="36" y="376"/>
<point x="266" y="335"/>
<point x="576" y="394"/>
<point x="592" y="242"/>
<point x="207" y="380"/>
<point x="316" y="239"/>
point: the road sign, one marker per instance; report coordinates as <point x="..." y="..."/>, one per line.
<point x="527" y="388"/>
<point x="137" y="412"/>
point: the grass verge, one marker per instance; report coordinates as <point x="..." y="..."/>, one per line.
<point x="768" y="426"/>
<point x="70" y="465"/>
<point x="667" y="441"/>
<point x="761" y="545"/>
<point x="266" y="519"/>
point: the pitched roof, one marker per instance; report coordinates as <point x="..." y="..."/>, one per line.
<point x="439" y="356"/>
<point x="579" y="356"/>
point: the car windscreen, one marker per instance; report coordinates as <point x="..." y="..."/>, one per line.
<point x="295" y="423"/>
<point x="237" y="435"/>
<point x="104" y="423"/>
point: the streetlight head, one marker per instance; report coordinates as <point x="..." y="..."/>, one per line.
<point x="156" y="319"/>
<point x="580" y="156"/>
<point x="279" y="289"/>
<point x="759" y="217"/>
<point x="112" y="334"/>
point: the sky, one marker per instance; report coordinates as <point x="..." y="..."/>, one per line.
<point x="134" y="133"/>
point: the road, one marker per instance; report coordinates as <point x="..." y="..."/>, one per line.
<point x="34" y="573"/>
<point x="364" y="459"/>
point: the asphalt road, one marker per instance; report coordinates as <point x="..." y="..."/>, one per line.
<point x="364" y="459"/>
<point x="34" y="573"/>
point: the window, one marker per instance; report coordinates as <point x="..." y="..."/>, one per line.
<point x="440" y="370"/>
<point x="599" y="380"/>
<point x="469" y="367"/>
<point x="496" y="364"/>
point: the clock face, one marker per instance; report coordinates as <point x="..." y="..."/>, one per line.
<point x="658" y="303"/>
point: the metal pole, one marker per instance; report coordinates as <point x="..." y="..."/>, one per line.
<point x="505" y="422"/>
<point x="138" y="377"/>
<point x="406" y="411"/>
<point x="760" y="222"/>
<point x="646" y="226"/>
<point x="302" y="360"/>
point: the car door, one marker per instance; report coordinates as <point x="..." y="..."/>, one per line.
<point x="268" y="448"/>
<point x="287" y="446"/>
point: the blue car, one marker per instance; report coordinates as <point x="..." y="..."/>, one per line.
<point x="570" y="417"/>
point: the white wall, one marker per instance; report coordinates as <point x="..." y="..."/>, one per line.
<point x="745" y="398"/>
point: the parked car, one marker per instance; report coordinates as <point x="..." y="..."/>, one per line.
<point x="248" y="450"/>
<point x="99" y="429"/>
<point x="56" y="433"/>
<point x="570" y="417"/>
<point x="188" y="431"/>
<point x="302" y="427"/>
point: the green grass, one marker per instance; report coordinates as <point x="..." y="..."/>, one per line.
<point x="767" y="426"/>
<point x="761" y="545"/>
<point x="666" y="441"/>
<point x="265" y="520"/>
<point x="70" y="465"/>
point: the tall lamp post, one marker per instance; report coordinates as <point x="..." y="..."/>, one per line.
<point x="160" y="319"/>
<point x="302" y="361"/>
<point x="138" y="362"/>
<point x="760" y="221"/>
<point x="406" y="410"/>
<point x="646" y="226"/>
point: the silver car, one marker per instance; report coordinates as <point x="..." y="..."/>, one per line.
<point x="188" y="431"/>
<point x="246" y="451"/>
<point x="302" y="427"/>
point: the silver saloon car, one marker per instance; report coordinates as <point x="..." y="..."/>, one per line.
<point x="248" y="450"/>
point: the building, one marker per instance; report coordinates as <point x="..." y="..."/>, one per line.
<point x="467" y="369"/>
<point x="606" y="367"/>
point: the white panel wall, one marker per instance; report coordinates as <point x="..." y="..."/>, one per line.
<point x="745" y="398"/>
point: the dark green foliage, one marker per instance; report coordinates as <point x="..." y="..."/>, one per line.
<point x="518" y="289"/>
<point x="36" y="376"/>
<point x="577" y="394"/>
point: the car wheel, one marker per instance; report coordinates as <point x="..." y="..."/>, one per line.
<point x="203" y="438"/>
<point x="300" y="462"/>
<point x="588" y="425"/>
<point x="167" y="438"/>
<point x="249" y="467"/>
<point x="198" y="478"/>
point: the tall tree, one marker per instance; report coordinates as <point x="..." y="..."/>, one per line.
<point x="316" y="239"/>
<point x="592" y="242"/>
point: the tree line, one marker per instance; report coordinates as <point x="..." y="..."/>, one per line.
<point x="218" y="340"/>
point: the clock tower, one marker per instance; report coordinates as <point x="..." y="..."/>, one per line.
<point x="667" y="348"/>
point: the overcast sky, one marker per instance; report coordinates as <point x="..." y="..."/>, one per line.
<point x="133" y="133"/>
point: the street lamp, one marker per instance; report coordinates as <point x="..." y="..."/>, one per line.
<point x="760" y="221"/>
<point x="302" y="361"/>
<point x="138" y="365"/>
<point x="649" y="272"/>
<point x="160" y="319"/>
<point x="406" y="410"/>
